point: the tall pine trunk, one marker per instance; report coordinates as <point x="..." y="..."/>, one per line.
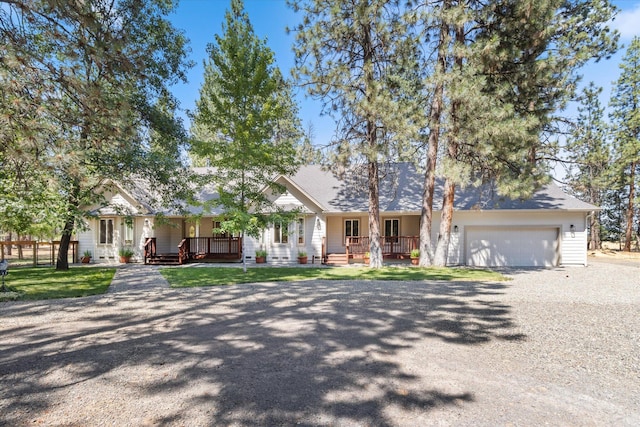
<point x="444" y="236"/>
<point x="426" y="214"/>
<point x="374" y="216"/>
<point x="628" y="235"/>
<point x="594" y="237"/>
<point x="375" y="249"/>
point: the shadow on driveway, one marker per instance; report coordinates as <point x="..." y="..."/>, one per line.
<point x="304" y="353"/>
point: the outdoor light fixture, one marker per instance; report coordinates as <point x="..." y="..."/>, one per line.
<point x="455" y="228"/>
<point x="572" y="228"/>
<point x="318" y="225"/>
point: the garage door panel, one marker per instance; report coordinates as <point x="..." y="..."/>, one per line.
<point x="518" y="247"/>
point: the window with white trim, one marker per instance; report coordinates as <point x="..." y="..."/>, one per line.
<point x="300" y="225"/>
<point x="105" y="233"/>
<point x="391" y="230"/>
<point x="128" y="233"/>
<point x="351" y="229"/>
<point x="280" y="233"/>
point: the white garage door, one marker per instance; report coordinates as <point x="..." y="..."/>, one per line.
<point x="515" y="247"/>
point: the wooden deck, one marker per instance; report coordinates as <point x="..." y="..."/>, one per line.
<point x="195" y="249"/>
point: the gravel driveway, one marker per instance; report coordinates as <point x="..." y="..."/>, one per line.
<point x="558" y="347"/>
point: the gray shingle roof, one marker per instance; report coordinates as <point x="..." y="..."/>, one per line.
<point x="401" y="189"/>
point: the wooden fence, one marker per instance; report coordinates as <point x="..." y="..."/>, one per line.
<point x="32" y="252"/>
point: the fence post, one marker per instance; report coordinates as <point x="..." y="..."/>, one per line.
<point x="35" y="253"/>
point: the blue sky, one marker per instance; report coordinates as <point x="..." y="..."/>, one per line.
<point x="201" y="19"/>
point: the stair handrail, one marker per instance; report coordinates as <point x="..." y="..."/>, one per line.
<point x="183" y="251"/>
<point x="149" y="248"/>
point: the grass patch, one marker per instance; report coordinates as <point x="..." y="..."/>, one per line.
<point x="218" y="276"/>
<point x="47" y="283"/>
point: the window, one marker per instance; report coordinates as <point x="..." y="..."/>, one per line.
<point x="351" y="229"/>
<point x="280" y="233"/>
<point x="216" y="230"/>
<point x="391" y="230"/>
<point x="106" y="232"/>
<point x="300" y="224"/>
<point x="128" y="233"/>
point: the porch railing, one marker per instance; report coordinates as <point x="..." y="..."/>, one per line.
<point x="392" y="247"/>
<point x="210" y="247"/>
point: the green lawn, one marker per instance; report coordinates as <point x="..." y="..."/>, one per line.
<point x="47" y="283"/>
<point x="217" y="276"/>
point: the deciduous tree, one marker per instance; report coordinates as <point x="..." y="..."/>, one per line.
<point x="96" y="75"/>
<point x="245" y="125"/>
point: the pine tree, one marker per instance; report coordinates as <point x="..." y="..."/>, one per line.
<point x="589" y="153"/>
<point x="359" y="58"/>
<point x="245" y="124"/>
<point x="625" y="117"/>
<point x="503" y="68"/>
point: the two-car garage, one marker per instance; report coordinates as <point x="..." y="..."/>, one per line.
<point x="512" y="246"/>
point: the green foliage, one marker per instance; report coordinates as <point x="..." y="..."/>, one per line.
<point x="261" y="253"/>
<point x="85" y="98"/>
<point x="360" y="59"/>
<point x="307" y="152"/>
<point x="191" y="277"/>
<point x="415" y="253"/>
<point x="589" y="155"/>
<point x="625" y="117"/>
<point x="534" y="69"/>
<point x="45" y="283"/>
<point x="245" y="125"/>
<point x="501" y="71"/>
<point x="126" y="252"/>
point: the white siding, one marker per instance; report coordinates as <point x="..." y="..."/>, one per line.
<point x="288" y="199"/>
<point x="168" y="236"/>
<point x="87" y="239"/>
<point x="316" y="228"/>
<point x="572" y="250"/>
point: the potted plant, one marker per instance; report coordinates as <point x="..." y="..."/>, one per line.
<point x="302" y="257"/>
<point x="367" y="257"/>
<point x="415" y="256"/>
<point x="261" y="256"/>
<point x="125" y="255"/>
<point x="86" y="257"/>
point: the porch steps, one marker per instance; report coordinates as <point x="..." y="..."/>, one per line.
<point x="164" y="259"/>
<point x="337" y="259"/>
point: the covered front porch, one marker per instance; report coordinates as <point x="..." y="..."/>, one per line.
<point x="395" y="247"/>
<point x="347" y="236"/>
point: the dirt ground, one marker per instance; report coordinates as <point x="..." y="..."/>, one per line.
<point x="554" y="347"/>
<point x="611" y="251"/>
